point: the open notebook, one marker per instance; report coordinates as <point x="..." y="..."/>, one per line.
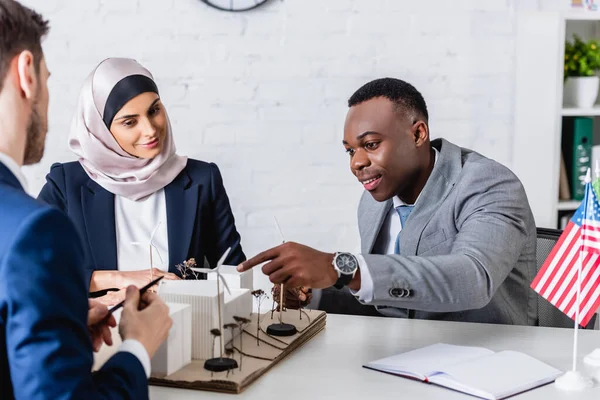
<point x="474" y="370"/>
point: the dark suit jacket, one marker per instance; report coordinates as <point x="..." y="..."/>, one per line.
<point x="45" y="348"/>
<point x="199" y="218"/>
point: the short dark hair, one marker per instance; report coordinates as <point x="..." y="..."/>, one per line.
<point x="21" y="29"/>
<point x="402" y="94"/>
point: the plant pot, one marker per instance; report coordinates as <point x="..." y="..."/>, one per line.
<point x="581" y="92"/>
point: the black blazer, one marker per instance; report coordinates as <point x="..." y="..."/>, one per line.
<point x="199" y="218"/>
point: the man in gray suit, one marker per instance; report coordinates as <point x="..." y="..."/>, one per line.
<point x="445" y="232"/>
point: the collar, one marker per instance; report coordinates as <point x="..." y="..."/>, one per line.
<point x="14" y="168"/>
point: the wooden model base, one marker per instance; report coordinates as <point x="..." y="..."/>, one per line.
<point x="258" y="357"/>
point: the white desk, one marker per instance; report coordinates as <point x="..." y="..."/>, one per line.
<point x="329" y="366"/>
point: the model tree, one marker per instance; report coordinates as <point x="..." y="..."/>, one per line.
<point x="242" y="322"/>
<point x="276" y="293"/>
<point x="215" y="333"/>
<point x="230" y="351"/>
<point x="231" y="326"/>
<point x="185" y="269"/>
<point x="259" y="295"/>
<point x="292" y="295"/>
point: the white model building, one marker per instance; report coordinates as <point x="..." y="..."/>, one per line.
<point x="201" y="295"/>
<point x="234" y="279"/>
<point x="176" y="352"/>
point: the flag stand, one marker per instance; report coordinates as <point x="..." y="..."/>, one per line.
<point x="574" y="380"/>
<point x="593" y="359"/>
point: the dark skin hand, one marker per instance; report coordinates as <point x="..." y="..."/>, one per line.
<point x="391" y="155"/>
<point x="293" y="298"/>
<point x="295" y="265"/>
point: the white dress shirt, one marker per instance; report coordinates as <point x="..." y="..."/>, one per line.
<point x="138" y="223"/>
<point x="130" y="345"/>
<point x="384" y="244"/>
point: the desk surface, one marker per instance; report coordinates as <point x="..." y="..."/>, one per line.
<point x="329" y="366"/>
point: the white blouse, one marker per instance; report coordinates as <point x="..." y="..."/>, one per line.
<point x="142" y="225"/>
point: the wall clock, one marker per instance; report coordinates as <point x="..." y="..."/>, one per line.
<point x="235" y="5"/>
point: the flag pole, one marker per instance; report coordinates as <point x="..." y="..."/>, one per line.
<point x="579" y="269"/>
<point x="593" y="359"/>
<point x="574" y="380"/>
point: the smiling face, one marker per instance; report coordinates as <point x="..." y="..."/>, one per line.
<point x="389" y="149"/>
<point x="140" y="126"/>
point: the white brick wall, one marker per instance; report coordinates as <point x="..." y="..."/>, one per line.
<point x="263" y="93"/>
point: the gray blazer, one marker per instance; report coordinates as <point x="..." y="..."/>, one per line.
<point x="468" y="247"/>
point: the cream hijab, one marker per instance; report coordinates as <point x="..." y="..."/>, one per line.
<point x="99" y="153"/>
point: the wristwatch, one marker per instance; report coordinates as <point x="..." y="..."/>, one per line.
<point x="346" y="265"/>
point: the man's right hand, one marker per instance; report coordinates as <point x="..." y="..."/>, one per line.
<point x="146" y="320"/>
<point x="142" y="277"/>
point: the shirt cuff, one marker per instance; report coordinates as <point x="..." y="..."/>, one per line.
<point x="365" y="293"/>
<point x="139" y="351"/>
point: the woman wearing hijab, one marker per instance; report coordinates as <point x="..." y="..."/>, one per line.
<point x="133" y="199"/>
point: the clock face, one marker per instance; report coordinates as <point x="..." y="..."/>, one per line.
<point x="235" y="5"/>
<point x="346" y="263"/>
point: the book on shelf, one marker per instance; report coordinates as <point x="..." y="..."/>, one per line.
<point x="564" y="220"/>
<point x="473" y="370"/>
<point x="564" y="193"/>
<point x="577" y="138"/>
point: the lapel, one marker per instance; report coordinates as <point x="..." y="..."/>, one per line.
<point x="98" y="206"/>
<point x="182" y="203"/>
<point x="445" y="173"/>
<point x="377" y="214"/>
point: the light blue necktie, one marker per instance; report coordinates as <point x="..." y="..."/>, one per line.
<point x="403" y="212"/>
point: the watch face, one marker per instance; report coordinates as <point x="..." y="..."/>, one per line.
<point x="346" y="263"/>
<point x="235" y="5"/>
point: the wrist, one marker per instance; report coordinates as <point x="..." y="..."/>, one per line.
<point x="333" y="273"/>
<point x="141" y="339"/>
<point x="150" y="348"/>
<point x="355" y="282"/>
<point x="345" y="266"/>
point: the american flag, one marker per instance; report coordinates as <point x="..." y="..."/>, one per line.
<point x="557" y="280"/>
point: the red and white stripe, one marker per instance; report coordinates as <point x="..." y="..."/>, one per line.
<point x="557" y="279"/>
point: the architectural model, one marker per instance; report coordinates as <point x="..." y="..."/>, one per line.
<point x="240" y="338"/>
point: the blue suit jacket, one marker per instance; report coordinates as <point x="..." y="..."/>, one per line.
<point x="45" y="348"/>
<point x="199" y="218"/>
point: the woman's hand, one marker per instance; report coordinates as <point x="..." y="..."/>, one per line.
<point x="143" y="277"/>
<point x="111" y="298"/>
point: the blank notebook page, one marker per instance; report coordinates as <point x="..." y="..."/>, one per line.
<point x="500" y="374"/>
<point x="429" y="359"/>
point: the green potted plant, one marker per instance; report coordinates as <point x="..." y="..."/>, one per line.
<point x="582" y="60"/>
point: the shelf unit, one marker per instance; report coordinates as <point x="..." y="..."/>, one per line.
<point x="581" y="112"/>
<point x="539" y="106"/>
<point x="569" y="205"/>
